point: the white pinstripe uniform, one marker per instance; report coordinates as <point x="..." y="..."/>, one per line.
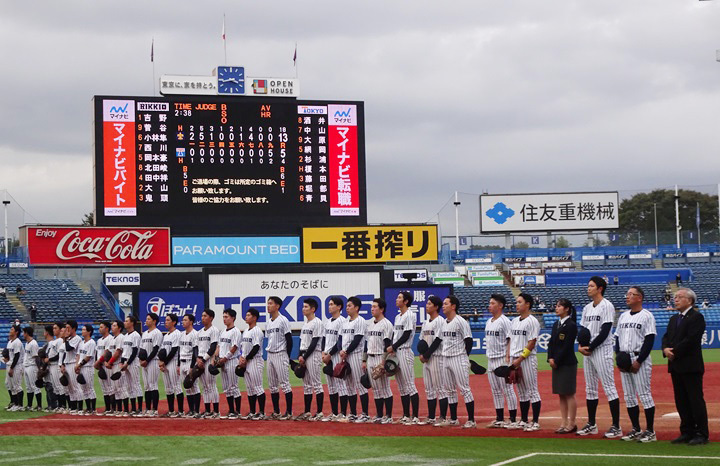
<point x="188" y="341"/>
<point x="254" y="367"/>
<point x="278" y="367"/>
<point x="228" y="339"/>
<point x="29" y="366"/>
<point x="433" y="369"/>
<point x="170" y="376"/>
<point x="522" y="331"/>
<point x="312" y="383"/>
<point x="14" y="383"/>
<point x="87" y="349"/>
<point x="331" y="334"/>
<point x="205" y="338"/>
<point x="69" y="359"/>
<point x="497" y="334"/>
<point x="406" y="375"/>
<point x="456" y="361"/>
<point x="598" y="367"/>
<point x="132" y="374"/>
<point x="120" y="385"/>
<point x="632" y="328"/>
<point x="151" y="372"/>
<point x="352" y="328"/>
<point x="53" y="350"/>
<point x="101" y="345"/>
<point x="376" y="333"/>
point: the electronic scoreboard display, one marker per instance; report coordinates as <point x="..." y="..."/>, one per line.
<point x="203" y="164"/>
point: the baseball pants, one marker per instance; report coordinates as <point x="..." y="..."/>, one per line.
<point x="457" y="378"/>
<point x="638" y="385"/>
<point x="254" y="376"/>
<point x="528" y="385"/>
<point x="599" y="370"/>
<point x="74" y="390"/>
<point x="54" y="374"/>
<point x="119" y="385"/>
<point x="132" y="381"/>
<point x="337" y="386"/>
<point x="107" y="386"/>
<point x="30" y="374"/>
<point x="381" y="385"/>
<point x="151" y="375"/>
<point x="312" y="383"/>
<point x="433" y="376"/>
<point x="500" y="390"/>
<point x="406" y="375"/>
<point x="229" y="379"/>
<point x="88" y="390"/>
<point x="278" y="372"/>
<point x="354" y="359"/>
<point x="14" y="383"/>
<point x="209" y="386"/>
<point x="184" y="371"/>
<point x="172" y="379"/>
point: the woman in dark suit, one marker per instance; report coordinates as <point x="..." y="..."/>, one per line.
<point x="561" y="356"/>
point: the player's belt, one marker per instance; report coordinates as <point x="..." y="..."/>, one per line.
<point x="185" y="360"/>
<point x="276" y="352"/>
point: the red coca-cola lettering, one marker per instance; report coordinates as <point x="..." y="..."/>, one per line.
<point x="115" y="247"/>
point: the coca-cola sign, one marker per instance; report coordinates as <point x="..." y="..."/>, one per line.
<point x="98" y="246"/>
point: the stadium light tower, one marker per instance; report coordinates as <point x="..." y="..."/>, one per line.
<point x="457" y="224"/>
<point x="7" y="247"/>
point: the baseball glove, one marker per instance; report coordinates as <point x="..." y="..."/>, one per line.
<point x="341" y="370"/>
<point x="392" y="364"/>
<point x="378" y="371"/>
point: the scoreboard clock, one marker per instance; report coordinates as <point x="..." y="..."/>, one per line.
<point x="231" y="80"/>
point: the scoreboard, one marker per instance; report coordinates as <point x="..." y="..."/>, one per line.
<point x="202" y="164"/>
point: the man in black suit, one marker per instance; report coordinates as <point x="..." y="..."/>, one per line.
<point x="681" y="344"/>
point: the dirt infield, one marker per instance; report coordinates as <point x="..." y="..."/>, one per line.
<point x="665" y="427"/>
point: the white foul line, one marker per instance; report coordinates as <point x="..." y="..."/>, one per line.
<point x="617" y="455"/>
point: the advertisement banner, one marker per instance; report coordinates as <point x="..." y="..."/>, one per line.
<point x="235" y="250"/>
<point x="119" y="158"/>
<point x="478" y="260"/>
<point x="50" y="245"/>
<point x="370" y="244"/>
<point x="415" y="275"/>
<point x="122" y="279"/>
<point x="179" y="303"/>
<point x="420" y="296"/>
<point x="243" y="291"/>
<point x="343" y="160"/>
<point x="548" y="212"/>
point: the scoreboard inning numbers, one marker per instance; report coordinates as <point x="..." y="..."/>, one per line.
<point x="214" y="164"/>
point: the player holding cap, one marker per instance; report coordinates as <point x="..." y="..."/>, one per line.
<point x="457" y="342"/>
<point x="309" y="356"/>
<point x="170" y="367"/>
<point x="251" y="359"/>
<point x="84" y="366"/>
<point x="525" y="330"/>
<point x="598" y="316"/>
<point x="497" y="343"/>
<point x="635" y="335"/>
<point x="72" y="343"/>
<point x="188" y="359"/>
<point x="403" y="336"/>
<point x="106" y="384"/>
<point x="337" y="388"/>
<point x="207" y="340"/>
<point x="226" y="357"/>
<point x="50" y="391"/>
<point x="14" y="376"/>
<point x="150" y="344"/>
<point x="352" y="338"/>
<point x="130" y="366"/>
<point x="53" y="356"/>
<point x="379" y="334"/>
<point x="433" y="368"/>
<point x="30" y="369"/>
<point x="279" y="347"/>
<point x="115" y="345"/>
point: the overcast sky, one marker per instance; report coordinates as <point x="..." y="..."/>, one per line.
<point x="498" y="96"/>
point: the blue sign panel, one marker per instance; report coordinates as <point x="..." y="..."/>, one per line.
<point x="236" y="250"/>
<point x="163" y="303"/>
<point x="420" y="296"/>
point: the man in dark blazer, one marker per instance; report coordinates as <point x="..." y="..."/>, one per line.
<point x="681" y="344"/>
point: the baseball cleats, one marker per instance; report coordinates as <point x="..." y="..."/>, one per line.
<point x="362" y="419"/>
<point x="303" y="417"/>
<point x="427" y="422"/>
<point x="513" y="425"/>
<point x="614" y="432"/>
<point x="330" y="418"/>
<point x="402" y="420"/>
<point x="647" y="437"/>
<point x="531" y="427"/>
<point x="470" y="425"/>
<point x="589" y="429"/>
<point x="496" y="425"/>
<point x="317" y="417"/>
<point x="286" y="417"/>
<point x="387" y="420"/>
<point x="632" y="436"/>
<point x="232" y="417"/>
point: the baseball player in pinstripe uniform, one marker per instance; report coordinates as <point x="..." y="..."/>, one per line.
<point x="115" y="345"/>
<point x="403" y="336"/>
<point x="106" y="385"/>
<point x="14" y="363"/>
<point x="170" y="366"/>
<point x="497" y="348"/>
<point x="84" y="366"/>
<point x="226" y="357"/>
<point x="598" y="317"/>
<point x="188" y="359"/>
<point x="130" y="366"/>
<point x="30" y="369"/>
<point x="278" y="348"/>
<point x="525" y="330"/>
<point x="67" y="367"/>
<point x="309" y="356"/>
<point x="352" y="341"/>
<point x="433" y="368"/>
<point x="635" y="335"/>
<point x="337" y="388"/>
<point x="50" y="391"/>
<point x="151" y="342"/>
<point x="378" y="336"/>
<point x="207" y="340"/>
<point x="251" y="359"/>
<point x="457" y="342"/>
<point x="54" y="355"/>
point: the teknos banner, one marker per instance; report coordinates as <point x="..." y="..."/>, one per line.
<point x="243" y="291"/>
<point x="163" y="303"/>
<point x="48" y="245"/>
